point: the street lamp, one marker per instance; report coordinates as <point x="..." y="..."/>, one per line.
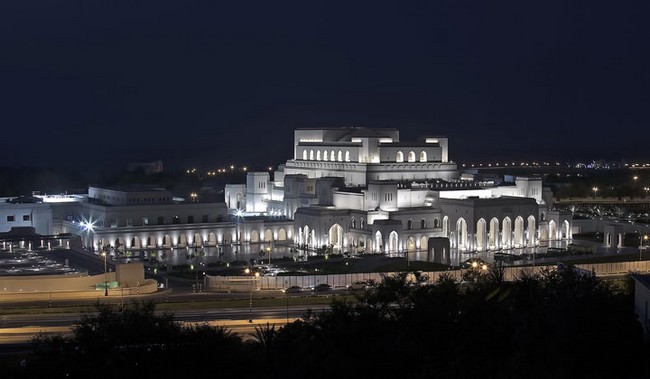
<point x="595" y="189"/>
<point x="250" y="301"/>
<point x="646" y="189"/>
<point x="641" y="246"/>
<point x="105" y="274"/>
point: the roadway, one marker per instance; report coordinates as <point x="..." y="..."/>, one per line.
<point x="17" y="330"/>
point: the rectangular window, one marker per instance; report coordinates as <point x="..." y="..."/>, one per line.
<point x="129" y="221"/>
<point x="145" y="221"/>
<point x="190" y="219"/>
<point x="161" y="220"/>
<point x="204" y="219"/>
<point x="11" y="218"/>
<point x="26" y="218"/>
<point x="176" y="220"/>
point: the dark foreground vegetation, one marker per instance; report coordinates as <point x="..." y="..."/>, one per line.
<point x="560" y="324"/>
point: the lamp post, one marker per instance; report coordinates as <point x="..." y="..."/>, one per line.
<point x="646" y="189"/>
<point x="641" y="246"/>
<point x="595" y="189"/>
<point x="105" y="274"/>
<point x="250" y="300"/>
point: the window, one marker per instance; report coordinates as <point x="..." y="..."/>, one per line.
<point x="190" y="219"/>
<point x="411" y="157"/>
<point x="204" y="219"/>
<point x="354" y="223"/>
<point x="161" y="220"/>
<point x="176" y="220"/>
<point x="409" y="225"/>
<point x="145" y="221"/>
<point x="399" y="157"/>
<point x="423" y="224"/>
<point x="129" y="221"/>
<point x="11" y="218"/>
<point x="26" y="218"/>
<point x="361" y="224"/>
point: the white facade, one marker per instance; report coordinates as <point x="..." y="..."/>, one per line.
<point x="364" y="190"/>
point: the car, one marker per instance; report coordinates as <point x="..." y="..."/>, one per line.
<point x="292" y="289"/>
<point x="357" y="286"/>
<point x="323" y="287"/>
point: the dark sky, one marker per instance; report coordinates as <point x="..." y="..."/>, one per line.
<point x="99" y="83"/>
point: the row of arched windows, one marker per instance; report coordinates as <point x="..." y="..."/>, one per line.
<point x="324" y="155"/>
<point x="423" y="224"/>
<point x="411" y="156"/>
<point x="353" y="223"/>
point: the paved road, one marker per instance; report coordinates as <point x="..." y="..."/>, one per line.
<point x="16" y="331"/>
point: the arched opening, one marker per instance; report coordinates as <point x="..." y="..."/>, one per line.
<point x="227" y="238"/>
<point x="304" y="155"/>
<point x="318" y="155"/>
<point x="347" y="156"/>
<point x="436" y="223"/>
<point x="493" y="238"/>
<point x="411" y="156"/>
<point x="361" y="223"/>
<point x="332" y="156"/>
<point x="282" y="234"/>
<point x="198" y="240"/>
<point x="167" y="241"/>
<point x="506" y="233"/>
<point x="151" y="242"/>
<point x="325" y="155"/>
<point x="446" y="226"/>
<point x="543" y="217"/>
<point x="409" y="224"/>
<point x="212" y="239"/>
<point x="424" y="243"/>
<point x="543" y="232"/>
<point x="423" y="156"/>
<point x="335" y="236"/>
<point x="307" y="240"/>
<point x="423" y="224"/>
<point x="519" y="232"/>
<point x="410" y="244"/>
<point x="311" y="155"/>
<point x="393" y="241"/>
<point x="135" y="243"/>
<point x="268" y="236"/>
<point x="182" y="240"/>
<point x="119" y="244"/>
<point x="609" y="239"/>
<point x="531" y="231"/>
<point x="353" y="222"/>
<point x="369" y="245"/>
<point x="240" y="199"/>
<point x="566" y="230"/>
<point x="340" y="156"/>
<point x="461" y="230"/>
<point x="379" y="242"/>
<point x="481" y="235"/>
<point x="399" y="157"/>
<point x="255" y="236"/>
<point x="552" y="230"/>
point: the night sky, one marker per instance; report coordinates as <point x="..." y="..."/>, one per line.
<point x="101" y="83"/>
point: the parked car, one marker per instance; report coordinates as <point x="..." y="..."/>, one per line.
<point x="323" y="287"/>
<point x="292" y="289"/>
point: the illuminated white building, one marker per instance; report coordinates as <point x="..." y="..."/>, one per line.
<point x="364" y="190"/>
